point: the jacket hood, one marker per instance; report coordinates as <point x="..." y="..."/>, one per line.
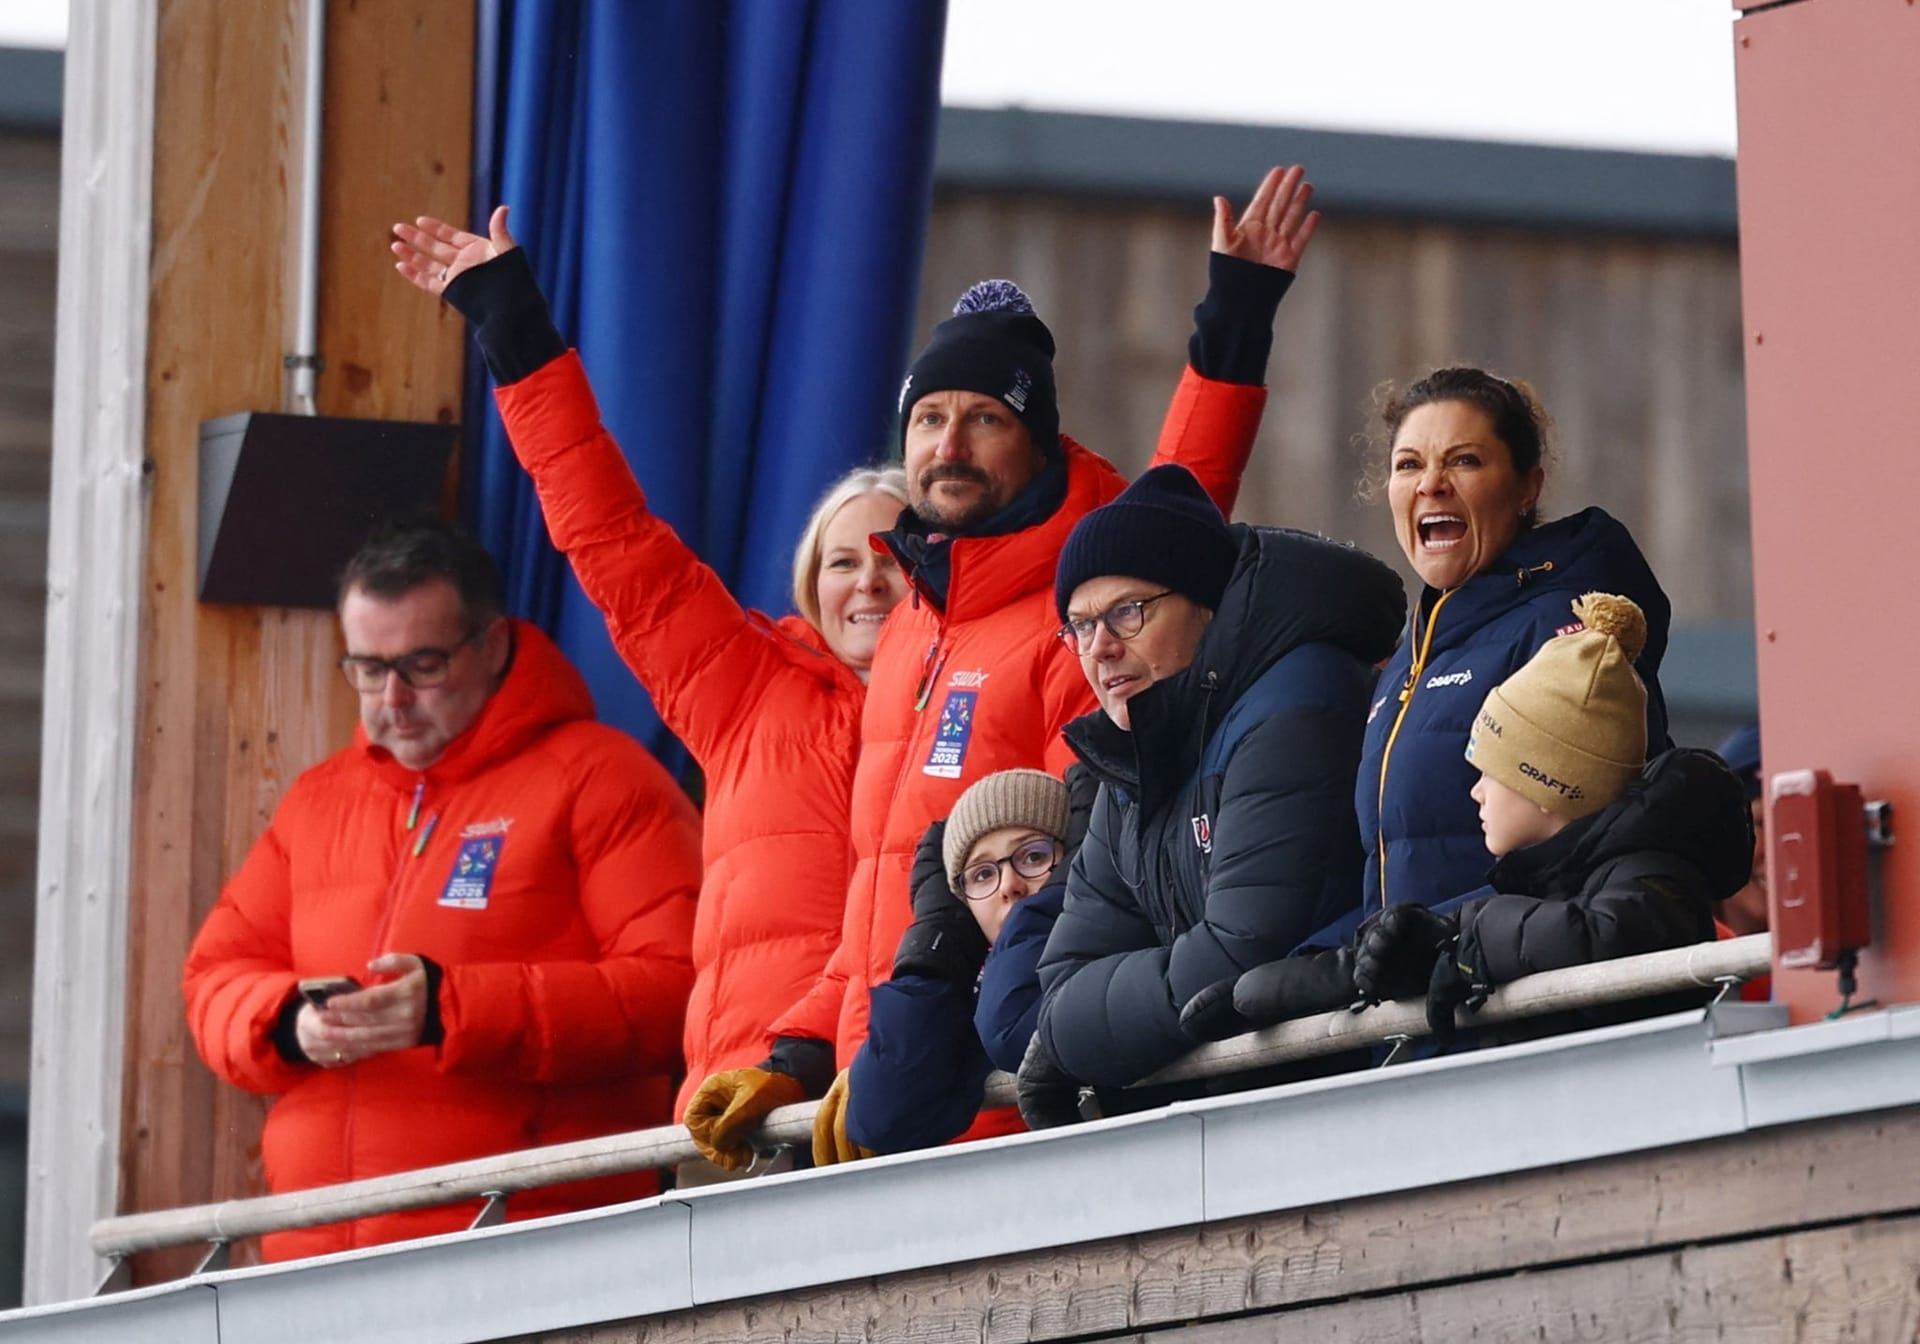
<point x="1685" y="802"/>
<point x="1288" y="588"/>
<point x="1582" y="552"/>
<point x="540" y="691"/>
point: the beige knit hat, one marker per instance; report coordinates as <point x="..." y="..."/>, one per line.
<point x="1569" y="729"/>
<point x="1010" y="798"/>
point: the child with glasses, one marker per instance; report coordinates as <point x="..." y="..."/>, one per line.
<point x="987" y="886"/>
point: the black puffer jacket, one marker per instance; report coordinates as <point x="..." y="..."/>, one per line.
<point x="1189" y="876"/>
<point x="1639" y="876"/>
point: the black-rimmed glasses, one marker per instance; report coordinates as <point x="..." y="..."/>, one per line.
<point x="421" y="670"/>
<point x="1123" y="621"/>
<point x="1033" y="858"/>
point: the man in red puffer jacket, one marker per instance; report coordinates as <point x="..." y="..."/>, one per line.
<point x="510" y="884"/>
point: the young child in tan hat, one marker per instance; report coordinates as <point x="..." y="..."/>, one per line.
<point x="988" y="882"/>
<point x="1599" y="852"/>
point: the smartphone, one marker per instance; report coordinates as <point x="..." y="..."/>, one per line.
<point x="318" y="989"/>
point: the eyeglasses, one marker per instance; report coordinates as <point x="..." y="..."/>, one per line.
<point x="1034" y="858"/>
<point x="1123" y="621"/>
<point x="421" y="670"/>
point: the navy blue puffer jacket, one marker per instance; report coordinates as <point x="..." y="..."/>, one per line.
<point x="1420" y="828"/>
<point x="921" y="1073"/>
<point x="1190" y="876"/>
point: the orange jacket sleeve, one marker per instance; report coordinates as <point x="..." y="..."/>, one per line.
<point x="636" y="861"/>
<point x="816" y="1015"/>
<point x="696" y="650"/>
<point x="239" y="973"/>
<point x="1209" y="430"/>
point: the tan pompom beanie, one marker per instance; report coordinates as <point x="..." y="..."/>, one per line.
<point x="1027" y="798"/>
<point x="1569" y="729"/>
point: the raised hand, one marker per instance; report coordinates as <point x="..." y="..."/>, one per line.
<point x="431" y="252"/>
<point x="1277" y="225"/>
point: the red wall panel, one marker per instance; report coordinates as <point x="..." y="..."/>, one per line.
<point x="1829" y="178"/>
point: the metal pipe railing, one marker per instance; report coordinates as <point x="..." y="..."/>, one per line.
<point x="1587" y="986"/>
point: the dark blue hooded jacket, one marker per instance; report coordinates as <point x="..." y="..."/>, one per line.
<point x="1419" y="825"/>
<point x="1189" y="875"/>
<point x="918" y="1079"/>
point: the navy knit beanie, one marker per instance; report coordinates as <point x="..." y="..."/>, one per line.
<point x="994" y="344"/>
<point x="1163" y="528"/>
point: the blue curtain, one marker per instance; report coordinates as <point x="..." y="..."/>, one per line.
<point x="726" y="204"/>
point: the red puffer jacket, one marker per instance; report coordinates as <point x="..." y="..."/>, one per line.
<point x="551" y="872"/>
<point x="983" y="686"/>
<point x="771" y="715"/>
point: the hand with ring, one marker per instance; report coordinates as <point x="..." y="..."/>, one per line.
<point x="431" y="253"/>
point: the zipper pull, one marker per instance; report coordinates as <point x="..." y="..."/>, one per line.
<point x="413" y="813"/>
<point x="1520" y="577"/>
<point x="426" y="834"/>
<point x="929" y="672"/>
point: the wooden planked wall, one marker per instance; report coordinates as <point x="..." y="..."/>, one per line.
<point x="1633" y="343"/>
<point x="1803" y="1233"/>
<point x="236" y="701"/>
<point x="29" y="220"/>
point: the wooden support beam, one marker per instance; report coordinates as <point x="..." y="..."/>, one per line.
<point x="95" y="506"/>
<point x="234" y="702"/>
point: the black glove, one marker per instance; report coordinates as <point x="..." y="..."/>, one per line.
<point x="1047" y="1096"/>
<point x="1394" y="954"/>
<point x="1209" y="1015"/>
<point x="1457" y="982"/>
<point x="1293" y="987"/>
<point x="944" y="941"/>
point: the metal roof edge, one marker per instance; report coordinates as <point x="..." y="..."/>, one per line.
<point x="1572" y="1098"/>
<point x="1531" y="186"/>
<point x="31" y="84"/>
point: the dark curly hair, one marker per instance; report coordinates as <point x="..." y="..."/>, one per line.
<point x="1519" y="420"/>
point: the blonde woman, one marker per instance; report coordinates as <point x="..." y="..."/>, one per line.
<point x="770" y="708"/>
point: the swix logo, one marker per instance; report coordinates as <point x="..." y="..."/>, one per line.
<point x="1450" y="679"/>
<point x="498" y="826"/>
<point x="1203" y="832"/>
<point x="973" y="677"/>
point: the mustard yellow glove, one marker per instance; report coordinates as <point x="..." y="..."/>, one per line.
<point x="830" y="1141"/>
<point x="730" y="1105"/>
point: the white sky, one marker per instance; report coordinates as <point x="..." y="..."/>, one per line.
<point x="1625" y="74"/>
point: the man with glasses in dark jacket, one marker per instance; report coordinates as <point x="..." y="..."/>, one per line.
<point x="1232" y="667"/>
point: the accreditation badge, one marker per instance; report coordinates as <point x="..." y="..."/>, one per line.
<point x="948" y="755"/>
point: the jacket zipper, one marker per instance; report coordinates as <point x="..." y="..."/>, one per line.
<point x="1175" y="922"/>
<point x="407" y="850"/>
<point x="1406" y="699"/>
<point x="1520" y="578"/>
